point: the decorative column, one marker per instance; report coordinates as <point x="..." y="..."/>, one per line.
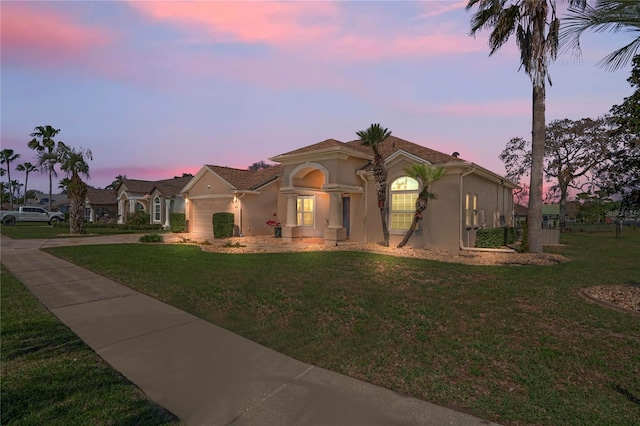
<point x="121" y="211"/>
<point x="167" y="205"/>
<point x="132" y="206"/>
<point x="335" y="232"/>
<point x="291" y="230"/>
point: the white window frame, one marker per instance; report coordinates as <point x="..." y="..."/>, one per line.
<point x="410" y="212"/>
<point x="471" y="210"/>
<point x="300" y="214"/>
<point x="157" y="210"/>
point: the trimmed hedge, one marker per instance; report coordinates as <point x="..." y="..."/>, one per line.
<point x="222" y="225"/>
<point x="496" y="237"/>
<point x="177" y="222"/>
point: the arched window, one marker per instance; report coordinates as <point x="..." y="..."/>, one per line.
<point x="404" y="193"/>
<point x="156" y="209"/>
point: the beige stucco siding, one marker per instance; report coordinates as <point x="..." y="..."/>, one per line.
<point x="494" y="205"/>
<point x="257" y="209"/>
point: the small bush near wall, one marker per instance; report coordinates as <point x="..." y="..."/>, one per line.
<point x="177" y="222"/>
<point x="496" y="237"/>
<point x="223" y="225"/>
<point x="138" y="218"/>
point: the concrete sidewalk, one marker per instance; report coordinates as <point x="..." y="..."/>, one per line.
<point x="202" y="373"/>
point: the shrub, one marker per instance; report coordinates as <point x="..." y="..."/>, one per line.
<point x="151" y="238"/>
<point x="223" y="225"/>
<point x="229" y="244"/>
<point x="177" y="222"/>
<point x="138" y="218"/>
<point x="496" y="237"/>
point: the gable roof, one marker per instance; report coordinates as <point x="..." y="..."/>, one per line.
<point x="101" y="196"/>
<point x="245" y="180"/>
<point x="394" y="144"/>
<point x="167" y="187"/>
<point x="137" y="185"/>
<point x="171" y="187"/>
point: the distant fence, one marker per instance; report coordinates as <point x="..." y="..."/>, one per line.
<point x="550" y="236"/>
<point x="598" y="227"/>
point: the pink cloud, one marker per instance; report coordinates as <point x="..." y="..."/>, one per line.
<point x="248" y="22"/>
<point x="45" y="37"/>
<point x="309" y="29"/>
<point x="437" y="8"/>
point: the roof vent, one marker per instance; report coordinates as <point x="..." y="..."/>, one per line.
<point x="455" y="154"/>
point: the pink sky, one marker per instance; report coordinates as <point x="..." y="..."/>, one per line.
<point x="155" y="89"/>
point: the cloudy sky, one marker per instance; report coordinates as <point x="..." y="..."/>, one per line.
<point x="155" y="89"/>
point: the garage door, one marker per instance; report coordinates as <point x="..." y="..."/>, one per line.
<point x="203" y="211"/>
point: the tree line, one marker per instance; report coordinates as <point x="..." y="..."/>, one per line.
<point x="49" y="155"/>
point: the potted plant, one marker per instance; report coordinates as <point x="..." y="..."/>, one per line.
<point x="276" y="225"/>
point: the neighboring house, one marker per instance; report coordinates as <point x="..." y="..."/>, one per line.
<point x="100" y="205"/>
<point x="59" y="202"/>
<point x="157" y="198"/>
<point x="327" y="190"/>
<point x="550" y="215"/>
<point x="520" y="213"/>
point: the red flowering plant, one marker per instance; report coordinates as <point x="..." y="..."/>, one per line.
<point x="274" y="223"/>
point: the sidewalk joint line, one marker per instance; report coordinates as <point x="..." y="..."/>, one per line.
<point x="147" y="333"/>
<point x="271" y="394"/>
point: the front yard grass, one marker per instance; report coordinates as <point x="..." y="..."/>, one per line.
<point x="512" y="344"/>
<point x="50" y="377"/>
<point x="42" y="231"/>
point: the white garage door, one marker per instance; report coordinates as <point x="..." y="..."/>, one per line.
<point x="203" y="210"/>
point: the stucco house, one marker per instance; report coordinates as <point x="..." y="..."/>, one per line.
<point x="327" y="190"/>
<point x="157" y="198"/>
<point x="100" y="205"/>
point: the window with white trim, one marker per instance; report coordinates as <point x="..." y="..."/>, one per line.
<point x="404" y="193"/>
<point x="471" y="210"/>
<point x="306" y="210"/>
<point x="157" y="205"/>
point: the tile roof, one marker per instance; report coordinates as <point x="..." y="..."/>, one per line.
<point x="329" y="143"/>
<point x="246" y="179"/>
<point x="171" y="187"/>
<point x="140" y="186"/>
<point x="101" y="196"/>
<point x="393" y="144"/>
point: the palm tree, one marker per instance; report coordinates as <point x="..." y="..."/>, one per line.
<point x="45" y="147"/>
<point x="63" y="184"/>
<point x="117" y="181"/>
<point x="372" y="137"/>
<point x="425" y="175"/>
<point x="536" y="26"/>
<point x="26" y="168"/>
<point x="74" y="163"/>
<point x="606" y="15"/>
<point x="15" y="189"/>
<point x="6" y="157"/>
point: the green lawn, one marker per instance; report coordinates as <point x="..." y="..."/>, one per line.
<point x="513" y="344"/>
<point x="39" y="230"/>
<point x="49" y="377"/>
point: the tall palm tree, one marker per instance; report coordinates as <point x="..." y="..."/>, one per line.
<point x="45" y="146"/>
<point x="605" y="15"/>
<point x="536" y="26"/>
<point x="15" y="189"/>
<point x="372" y="137"/>
<point x="74" y="163"/>
<point x="6" y="157"/>
<point x="425" y="175"/>
<point x="26" y="168"/>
